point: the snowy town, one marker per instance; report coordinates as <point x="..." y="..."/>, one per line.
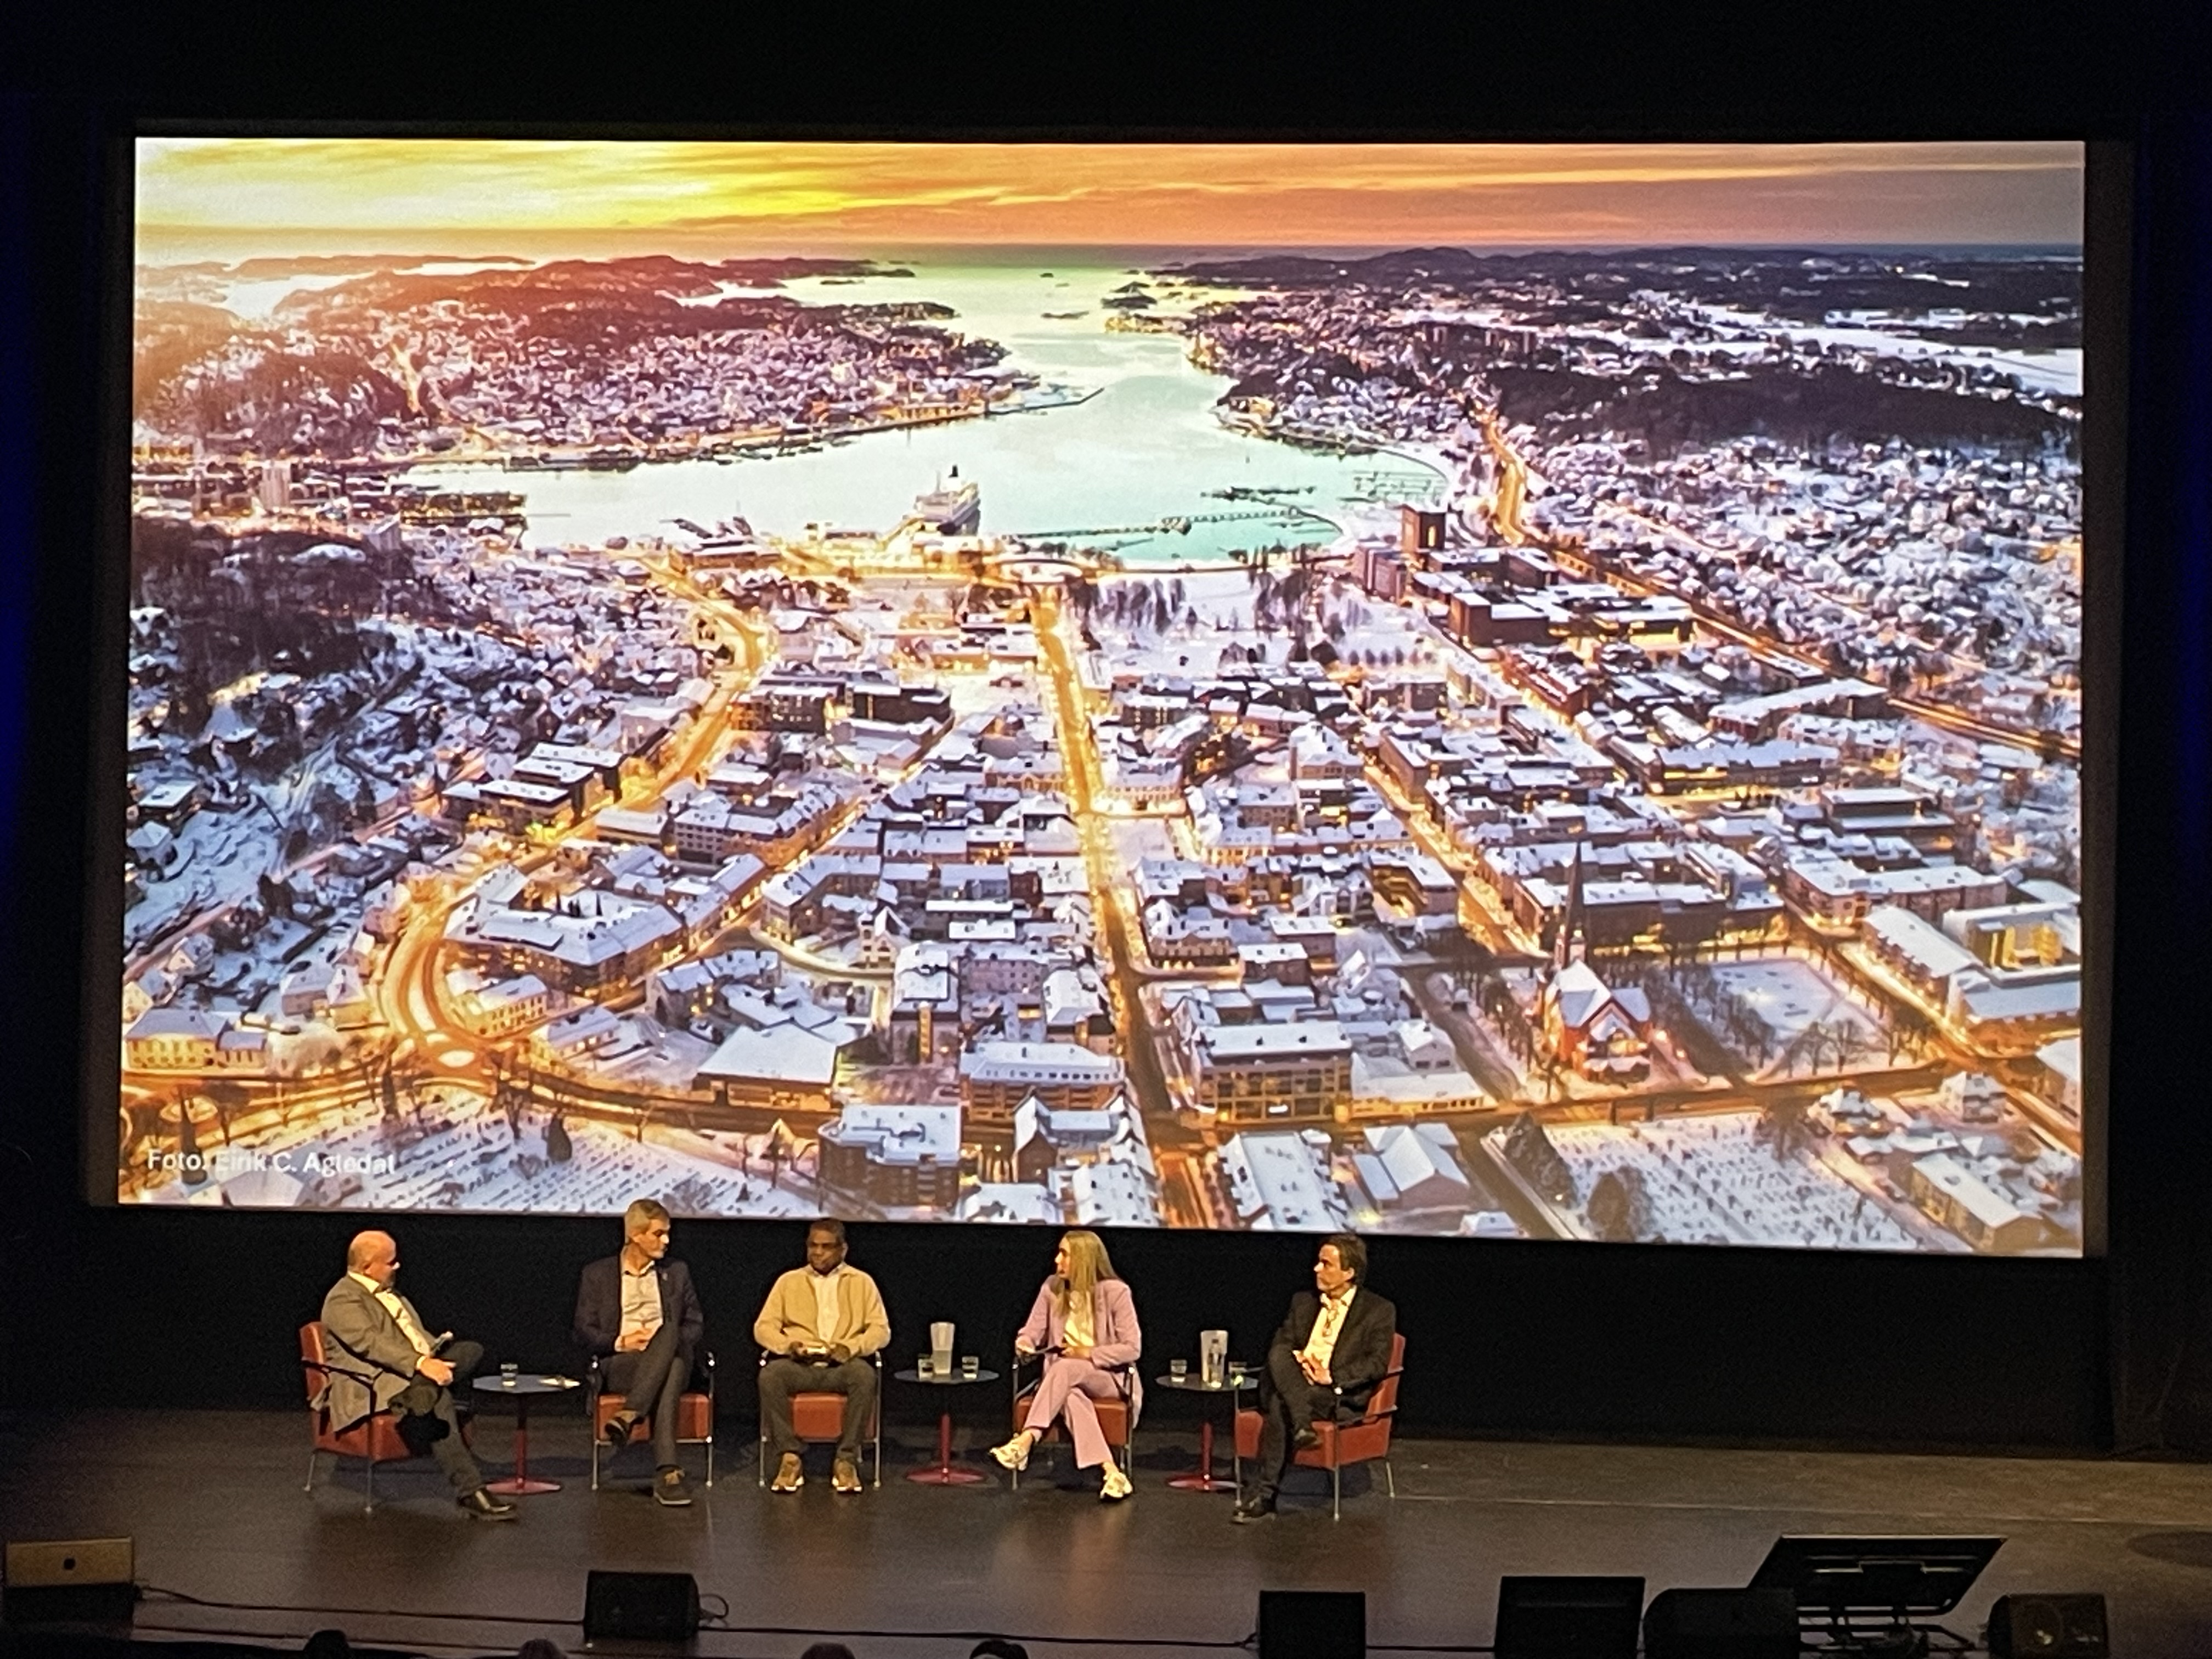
<point x="1651" y="812"/>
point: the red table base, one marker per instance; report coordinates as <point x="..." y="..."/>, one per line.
<point x="519" y="1485"/>
<point x="1201" y="1480"/>
<point x="944" y="1472"/>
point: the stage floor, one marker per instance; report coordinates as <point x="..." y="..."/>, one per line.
<point x="214" y="1500"/>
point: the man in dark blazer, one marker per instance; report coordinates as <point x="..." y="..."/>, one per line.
<point x="382" y="1357"/>
<point x="637" y="1312"/>
<point x="1323" y="1365"/>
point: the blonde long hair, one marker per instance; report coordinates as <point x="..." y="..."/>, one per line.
<point x="1087" y="1264"/>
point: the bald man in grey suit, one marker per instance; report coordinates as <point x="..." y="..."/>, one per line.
<point x="383" y="1358"/>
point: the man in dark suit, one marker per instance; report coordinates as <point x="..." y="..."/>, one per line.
<point x="382" y="1357"/>
<point x="1323" y="1365"/>
<point x="636" y="1310"/>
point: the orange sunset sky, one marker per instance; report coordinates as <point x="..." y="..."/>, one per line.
<point x="233" y="197"/>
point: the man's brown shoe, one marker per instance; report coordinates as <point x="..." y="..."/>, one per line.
<point x="790" y="1474"/>
<point x="845" y="1477"/>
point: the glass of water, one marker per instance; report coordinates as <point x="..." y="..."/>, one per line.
<point x="507" y="1374"/>
<point x="923" y="1366"/>
<point x="1178" y="1369"/>
<point x="971" y="1364"/>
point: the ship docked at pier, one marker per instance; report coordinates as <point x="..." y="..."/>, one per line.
<point x="955" y="508"/>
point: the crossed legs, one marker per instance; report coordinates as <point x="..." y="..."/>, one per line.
<point x="1288" y="1405"/>
<point x="651" y="1383"/>
<point x="427" y="1422"/>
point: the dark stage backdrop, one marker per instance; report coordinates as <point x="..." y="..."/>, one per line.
<point x="138" y="1307"/>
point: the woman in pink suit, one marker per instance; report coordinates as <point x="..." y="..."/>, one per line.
<point x="1084" y="1321"/>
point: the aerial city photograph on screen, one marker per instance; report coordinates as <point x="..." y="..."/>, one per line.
<point x="1506" y="692"/>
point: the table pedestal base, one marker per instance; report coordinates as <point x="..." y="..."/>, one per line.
<point x="1202" y="1479"/>
<point x="519" y="1485"/>
<point x="944" y="1472"/>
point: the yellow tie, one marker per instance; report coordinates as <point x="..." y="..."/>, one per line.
<point x="1332" y="1314"/>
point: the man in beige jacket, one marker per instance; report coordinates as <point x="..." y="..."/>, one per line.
<point x="819" y="1325"/>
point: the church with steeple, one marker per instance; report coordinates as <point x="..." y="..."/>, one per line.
<point x="1591" y="1028"/>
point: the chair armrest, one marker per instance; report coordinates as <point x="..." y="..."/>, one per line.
<point x="328" y="1369"/>
<point x="1370" y="1415"/>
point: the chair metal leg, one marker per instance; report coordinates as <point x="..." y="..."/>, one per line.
<point x="595" y="1450"/>
<point x="369" y="1488"/>
<point x="763" y="1459"/>
<point x="1389" y="1481"/>
<point x="1335" y="1490"/>
<point x="312" y="1455"/>
<point x="879" y="1447"/>
<point x="710" y="1454"/>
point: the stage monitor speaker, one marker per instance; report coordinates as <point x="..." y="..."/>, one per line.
<point x="1567" y="1617"/>
<point x="2043" y="1625"/>
<point x="73" y="1580"/>
<point x="641" y="1606"/>
<point x="1721" y="1624"/>
<point x="1313" y="1624"/>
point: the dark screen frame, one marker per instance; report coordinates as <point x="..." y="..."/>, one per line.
<point x="2109" y="174"/>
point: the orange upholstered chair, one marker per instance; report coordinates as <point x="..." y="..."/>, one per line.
<point x="1113" y="1414"/>
<point x="695" y="1415"/>
<point x="820" y="1416"/>
<point x="374" y="1439"/>
<point x="1366" y="1439"/>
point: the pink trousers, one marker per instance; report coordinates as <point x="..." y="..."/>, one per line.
<point x="1068" y="1388"/>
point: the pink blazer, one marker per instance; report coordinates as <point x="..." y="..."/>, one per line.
<point x="1118" y="1338"/>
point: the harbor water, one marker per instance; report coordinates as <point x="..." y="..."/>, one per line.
<point x="1143" y="448"/>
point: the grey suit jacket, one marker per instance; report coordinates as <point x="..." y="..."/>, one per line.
<point x="360" y="1337"/>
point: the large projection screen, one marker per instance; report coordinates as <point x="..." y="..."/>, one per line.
<point x="1488" y="690"/>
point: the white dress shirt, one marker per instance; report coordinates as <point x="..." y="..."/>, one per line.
<point x="391" y="1303"/>
<point x="825" y="1301"/>
<point x="1323" y="1343"/>
<point x="641" y="1298"/>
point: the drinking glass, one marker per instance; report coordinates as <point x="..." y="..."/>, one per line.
<point x="1178" y="1369"/>
<point x="971" y="1364"/>
<point x="507" y="1374"/>
<point x="923" y="1368"/>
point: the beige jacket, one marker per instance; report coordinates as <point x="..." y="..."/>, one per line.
<point x="789" y="1314"/>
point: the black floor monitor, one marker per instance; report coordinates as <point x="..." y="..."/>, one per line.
<point x="1313" y="1624"/>
<point x="641" y="1606"/>
<point x="1901" y="1578"/>
<point x="1568" y="1618"/>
